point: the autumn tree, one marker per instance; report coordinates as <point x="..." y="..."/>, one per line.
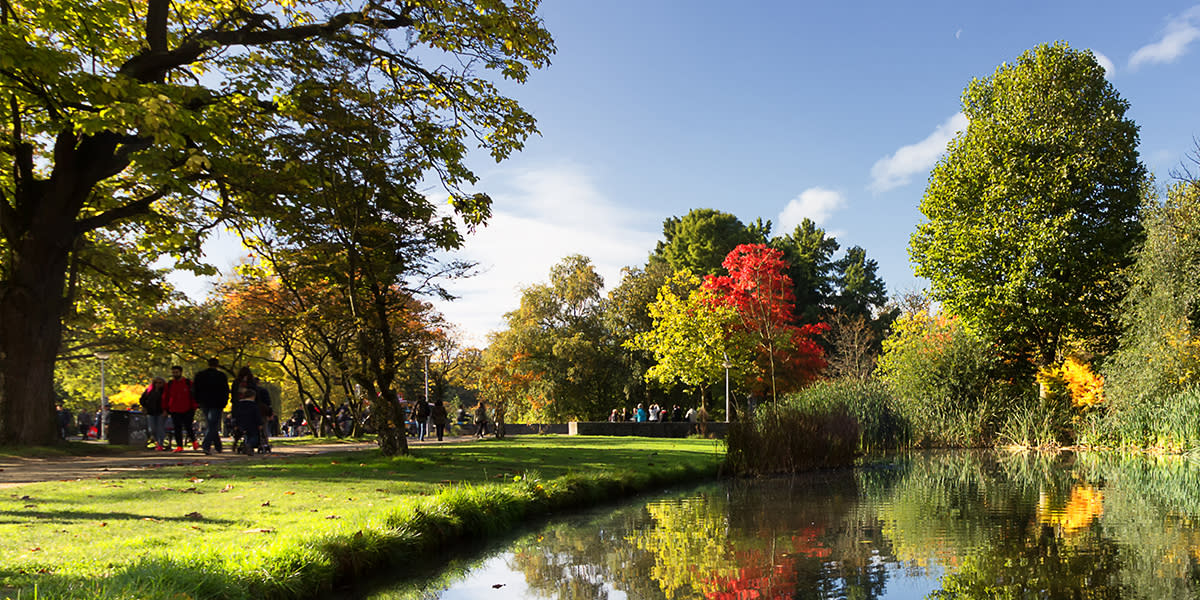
<point x="626" y="315"/>
<point x="1032" y="212"/>
<point x="694" y="337"/>
<point x="760" y="291"/>
<point x="139" y="120"/>
<point x="556" y="344"/>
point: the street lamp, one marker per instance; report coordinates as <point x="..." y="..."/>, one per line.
<point x="726" y="365"/>
<point x="103" y="427"/>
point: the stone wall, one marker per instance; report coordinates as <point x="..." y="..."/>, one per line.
<point x="651" y="429"/>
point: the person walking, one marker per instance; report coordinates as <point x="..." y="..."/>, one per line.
<point x="421" y="414"/>
<point x="212" y="394"/>
<point x="246" y="412"/>
<point x="438" y="415"/>
<point x="179" y="400"/>
<point x="152" y="404"/>
<point x="480" y="419"/>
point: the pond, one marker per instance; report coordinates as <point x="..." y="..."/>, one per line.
<point x="954" y="525"/>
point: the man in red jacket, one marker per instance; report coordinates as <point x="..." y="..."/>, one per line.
<point x="178" y="400"/>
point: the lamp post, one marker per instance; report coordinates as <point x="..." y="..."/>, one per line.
<point x="102" y="426"/>
<point x="726" y="365"/>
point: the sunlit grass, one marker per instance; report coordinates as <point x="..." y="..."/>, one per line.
<point x="273" y="527"/>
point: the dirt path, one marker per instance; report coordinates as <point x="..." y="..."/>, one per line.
<point x="18" y="471"/>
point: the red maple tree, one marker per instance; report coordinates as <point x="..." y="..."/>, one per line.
<point x="759" y="288"/>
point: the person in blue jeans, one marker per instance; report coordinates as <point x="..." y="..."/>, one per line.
<point x="211" y="389"/>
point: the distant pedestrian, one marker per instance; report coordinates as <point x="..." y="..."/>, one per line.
<point x="212" y="394"/>
<point x="85" y="424"/>
<point x="438" y="415"/>
<point x="63" y="418"/>
<point x="640" y="414"/>
<point x="480" y="419"/>
<point x="614" y="417"/>
<point x="245" y="408"/>
<point x="266" y="414"/>
<point x="421" y="416"/>
<point x="180" y="401"/>
<point x="152" y="404"/>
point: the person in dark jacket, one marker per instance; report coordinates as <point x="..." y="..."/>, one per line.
<point x="152" y="405"/>
<point x="245" y="408"/>
<point x="212" y="394"/>
<point x="439" y="417"/>
<point x="421" y="414"/>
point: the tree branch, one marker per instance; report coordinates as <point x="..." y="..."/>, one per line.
<point x="124" y="211"/>
<point x="153" y="65"/>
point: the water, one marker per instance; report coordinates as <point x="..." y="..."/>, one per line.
<point x="947" y="526"/>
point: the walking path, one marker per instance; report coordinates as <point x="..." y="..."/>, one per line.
<point x="16" y="471"/>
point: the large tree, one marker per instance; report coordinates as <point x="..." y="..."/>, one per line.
<point x="700" y="240"/>
<point x="809" y="251"/>
<point x="557" y="348"/>
<point x="141" y="118"/>
<point x="1032" y="212"/>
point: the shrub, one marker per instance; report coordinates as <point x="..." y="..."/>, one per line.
<point x="945" y="380"/>
<point x="781" y="438"/>
<point x="869" y="403"/>
<point x="1158" y="355"/>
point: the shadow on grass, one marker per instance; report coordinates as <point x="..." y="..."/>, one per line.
<point x="18" y="517"/>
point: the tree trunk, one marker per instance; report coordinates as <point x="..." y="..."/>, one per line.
<point x="31" y="312"/>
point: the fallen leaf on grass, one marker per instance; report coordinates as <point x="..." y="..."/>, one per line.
<point x="35" y="549"/>
<point x="227" y="488"/>
<point x="259" y="530"/>
<point x="103" y="524"/>
<point x="289" y="493"/>
<point x="332" y="517"/>
<point x="197" y="480"/>
<point x="194" y="515"/>
<point x="267" y="503"/>
<point x="333" y="462"/>
<point x="150" y="519"/>
<point x="30" y="506"/>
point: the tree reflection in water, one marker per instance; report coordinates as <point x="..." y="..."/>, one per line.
<point x="975" y="525"/>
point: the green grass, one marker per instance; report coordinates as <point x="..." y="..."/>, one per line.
<point x="279" y="528"/>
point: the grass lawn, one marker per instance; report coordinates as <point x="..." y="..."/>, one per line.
<point x="288" y="527"/>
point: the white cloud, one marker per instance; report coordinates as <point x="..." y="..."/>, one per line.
<point x="1178" y="34"/>
<point x="540" y="216"/>
<point x="958" y="34"/>
<point x="814" y="203"/>
<point x="1106" y="63"/>
<point x="898" y="169"/>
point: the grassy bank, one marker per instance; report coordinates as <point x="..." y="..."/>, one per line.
<point x="279" y="528"/>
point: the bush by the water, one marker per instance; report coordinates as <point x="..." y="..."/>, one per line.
<point x="782" y="438"/>
<point x="947" y="383"/>
<point x="868" y="402"/>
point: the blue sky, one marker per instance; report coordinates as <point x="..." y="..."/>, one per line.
<point x="780" y="110"/>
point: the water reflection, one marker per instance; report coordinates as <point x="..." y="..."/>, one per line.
<point x="947" y="526"/>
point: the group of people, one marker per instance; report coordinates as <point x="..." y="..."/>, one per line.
<point x="656" y="414"/>
<point x="426" y="414"/>
<point x="210" y="392"/>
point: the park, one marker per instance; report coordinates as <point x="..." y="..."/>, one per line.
<point x="725" y="403"/>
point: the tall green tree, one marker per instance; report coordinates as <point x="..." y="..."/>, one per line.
<point x="809" y="251"/>
<point x="700" y="240"/>
<point x="139" y="118"/>
<point x="1159" y="351"/>
<point x="1032" y="212"/>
